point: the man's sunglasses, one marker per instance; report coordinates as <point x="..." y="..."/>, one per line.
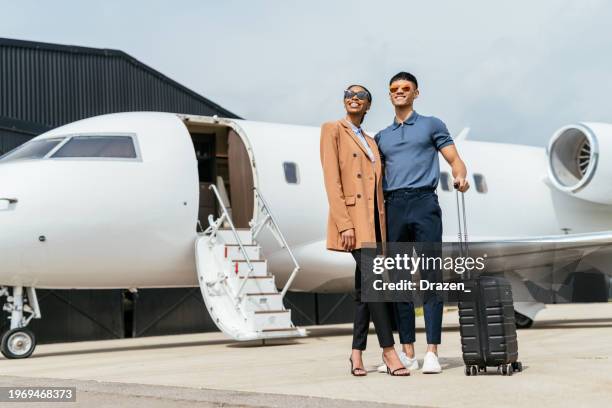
<point x="394" y="89"/>
<point x="363" y="95"/>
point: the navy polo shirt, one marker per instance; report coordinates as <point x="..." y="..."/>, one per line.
<point x="409" y="151"/>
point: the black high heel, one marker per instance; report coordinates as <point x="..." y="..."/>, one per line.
<point x="358" y="368"/>
<point x="394" y="372"/>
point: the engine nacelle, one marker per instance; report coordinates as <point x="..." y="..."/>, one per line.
<point x="580" y="161"/>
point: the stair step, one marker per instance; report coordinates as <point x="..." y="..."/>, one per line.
<point x="271" y="311"/>
<point x="241" y="268"/>
<point x="232" y="251"/>
<point x="289" y="329"/>
<point x="260" y="302"/>
<point x="255" y="284"/>
<point x="273" y="319"/>
<point x="228" y="236"/>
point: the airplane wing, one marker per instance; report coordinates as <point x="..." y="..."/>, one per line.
<point x="555" y="251"/>
<point x="541" y="268"/>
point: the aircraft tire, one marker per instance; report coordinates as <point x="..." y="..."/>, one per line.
<point x="18" y="343"/>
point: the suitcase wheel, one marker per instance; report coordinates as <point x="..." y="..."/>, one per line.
<point x="506" y="369"/>
<point x="471" y="370"/>
<point x="517" y="366"/>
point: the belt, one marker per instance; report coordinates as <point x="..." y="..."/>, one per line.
<point x="409" y="190"/>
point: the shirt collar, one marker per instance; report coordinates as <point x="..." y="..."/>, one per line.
<point x="356" y="129"/>
<point x="409" y="120"/>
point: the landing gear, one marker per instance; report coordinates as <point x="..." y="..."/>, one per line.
<point x="19" y="342"/>
<point x="522" y="321"/>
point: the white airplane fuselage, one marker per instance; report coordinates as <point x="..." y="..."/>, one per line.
<point x="111" y="223"/>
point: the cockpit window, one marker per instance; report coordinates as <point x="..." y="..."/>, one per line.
<point x="98" y="146"/>
<point x="34" y="149"/>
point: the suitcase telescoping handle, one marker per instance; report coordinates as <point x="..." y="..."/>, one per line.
<point x="462" y="225"/>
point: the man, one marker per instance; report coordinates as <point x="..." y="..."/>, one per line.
<point x="409" y="149"/>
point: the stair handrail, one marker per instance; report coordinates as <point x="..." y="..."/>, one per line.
<point x="269" y="217"/>
<point x="236" y="236"/>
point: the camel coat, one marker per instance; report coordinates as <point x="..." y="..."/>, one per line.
<point x="350" y="179"/>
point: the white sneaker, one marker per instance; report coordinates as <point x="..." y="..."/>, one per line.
<point x="431" y="365"/>
<point x="412" y="364"/>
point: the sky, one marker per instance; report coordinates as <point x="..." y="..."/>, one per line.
<point x="510" y="71"/>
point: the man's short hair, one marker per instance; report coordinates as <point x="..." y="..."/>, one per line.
<point x="406" y="76"/>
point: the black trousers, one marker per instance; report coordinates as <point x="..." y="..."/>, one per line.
<point x="415" y="216"/>
<point x="378" y="311"/>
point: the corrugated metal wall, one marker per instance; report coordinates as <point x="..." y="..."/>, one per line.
<point x="53" y="85"/>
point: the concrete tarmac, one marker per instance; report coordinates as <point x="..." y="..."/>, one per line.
<point x="566" y="355"/>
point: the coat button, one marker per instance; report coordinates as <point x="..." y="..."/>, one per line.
<point x="358" y="195"/>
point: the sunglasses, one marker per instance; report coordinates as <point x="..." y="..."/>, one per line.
<point x="362" y="95"/>
<point x="394" y="89"/>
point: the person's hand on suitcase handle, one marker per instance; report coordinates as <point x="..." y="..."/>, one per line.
<point x="461" y="184"/>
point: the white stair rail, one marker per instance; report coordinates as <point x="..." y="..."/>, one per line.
<point x="269" y="221"/>
<point x="214" y="226"/>
<point x="212" y="230"/>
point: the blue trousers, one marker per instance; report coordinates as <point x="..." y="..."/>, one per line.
<point x="415" y="216"/>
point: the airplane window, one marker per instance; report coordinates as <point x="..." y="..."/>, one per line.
<point x="445" y="181"/>
<point x="481" y="183"/>
<point x="291" y="172"/>
<point x="34" y="149"/>
<point x="98" y="146"/>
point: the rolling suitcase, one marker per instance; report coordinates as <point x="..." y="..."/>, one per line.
<point x="486" y="317"/>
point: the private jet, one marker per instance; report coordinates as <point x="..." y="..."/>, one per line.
<point x="156" y="200"/>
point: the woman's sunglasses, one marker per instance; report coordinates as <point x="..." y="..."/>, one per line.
<point x="363" y="95"/>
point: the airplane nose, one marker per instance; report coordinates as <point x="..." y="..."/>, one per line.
<point x="24" y="216"/>
<point x="9" y="177"/>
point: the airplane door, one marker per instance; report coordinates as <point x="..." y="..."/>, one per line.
<point x="241" y="181"/>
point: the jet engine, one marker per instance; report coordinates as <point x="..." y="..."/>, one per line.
<point x="580" y="161"/>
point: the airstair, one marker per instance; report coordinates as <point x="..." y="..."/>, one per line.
<point x="240" y="294"/>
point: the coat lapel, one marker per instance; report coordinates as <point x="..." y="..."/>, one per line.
<point x="352" y="134"/>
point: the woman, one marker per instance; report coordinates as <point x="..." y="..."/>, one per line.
<point x="352" y="173"/>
